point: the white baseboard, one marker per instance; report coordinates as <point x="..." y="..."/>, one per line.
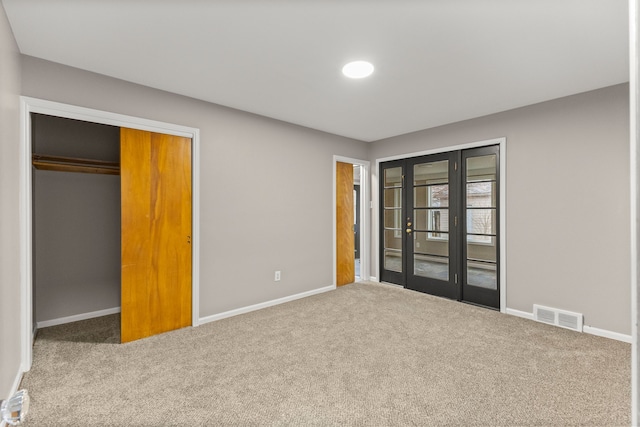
<point x="586" y="329"/>
<point x="519" y="313"/>
<point x="266" y="304"/>
<point x="373" y="279"/>
<point x="15" y="385"/>
<point x="77" y="317"/>
<point x="607" y="334"/>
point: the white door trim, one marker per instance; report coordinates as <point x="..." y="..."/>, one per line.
<point x="502" y="142"/>
<point x="32" y="105"/>
<point x="365" y="211"/>
<point x="634" y="194"/>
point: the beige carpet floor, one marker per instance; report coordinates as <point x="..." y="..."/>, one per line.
<point x="366" y="354"/>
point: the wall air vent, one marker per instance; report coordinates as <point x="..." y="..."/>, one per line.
<point x="561" y="318"/>
<point x="545" y="315"/>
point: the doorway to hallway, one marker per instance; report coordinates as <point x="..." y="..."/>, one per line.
<point x="356" y="219"/>
<point x="351" y="220"/>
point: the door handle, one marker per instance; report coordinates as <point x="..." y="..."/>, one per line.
<point x="409" y="230"/>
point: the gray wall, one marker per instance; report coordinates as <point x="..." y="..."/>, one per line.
<point x="266" y="186"/>
<point x="10" y="71"/>
<point x="76" y="221"/>
<point x="266" y="193"/>
<point x="567" y="184"/>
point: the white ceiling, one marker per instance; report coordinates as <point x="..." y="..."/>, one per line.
<point x="437" y="61"/>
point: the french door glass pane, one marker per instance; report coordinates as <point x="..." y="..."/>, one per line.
<point x="431" y="256"/>
<point x="431" y="220"/>
<point x="481" y="194"/>
<point x="485" y="252"/>
<point x="431" y="173"/>
<point x="393" y="239"/>
<point x="393" y="177"/>
<point x="481" y="221"/>
<point x="430" y="196"/>
<point x="393" y="198"/>
<point x="423" y="244"/>
<point x="393" y="260"/>
<point x="482" y="275"/>
<point x="481" y="168"/>
<point x="393" y="219"/>
<point x="434" y="267"/>
<point x="434" y="220"/>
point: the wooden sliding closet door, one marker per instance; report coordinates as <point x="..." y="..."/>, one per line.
<point x="345" y="243"/>
<point x="156" y="233"/>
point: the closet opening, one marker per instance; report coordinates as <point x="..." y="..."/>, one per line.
<point x="75" y="220"/>
<point x="142" y="302"/>
<point x="112" y="226"/>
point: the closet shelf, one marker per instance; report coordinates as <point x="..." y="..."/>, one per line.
<point x="73" y="164"/>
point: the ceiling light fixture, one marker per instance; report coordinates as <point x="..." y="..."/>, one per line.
<point x="357" y="69"/>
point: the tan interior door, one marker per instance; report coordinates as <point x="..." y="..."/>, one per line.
<point x="345" y="244"/>
<point x="156" y="233"/>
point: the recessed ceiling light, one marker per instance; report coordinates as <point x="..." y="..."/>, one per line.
<point x="357" y="69"/>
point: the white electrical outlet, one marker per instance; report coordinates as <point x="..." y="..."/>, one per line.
<point x="277" y="276"/>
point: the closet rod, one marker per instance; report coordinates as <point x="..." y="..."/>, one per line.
<point x="74" y="164"/>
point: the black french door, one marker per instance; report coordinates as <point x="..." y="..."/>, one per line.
<point x="439" y="224"/>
